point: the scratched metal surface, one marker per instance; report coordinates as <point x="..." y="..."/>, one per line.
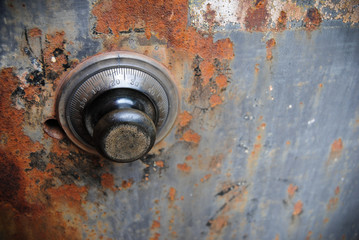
<point x="266" y="145"/>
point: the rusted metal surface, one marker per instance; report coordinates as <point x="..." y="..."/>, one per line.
<point x="265" y="147"/>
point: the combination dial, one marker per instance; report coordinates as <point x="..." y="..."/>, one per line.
<point x="117" y="104"/>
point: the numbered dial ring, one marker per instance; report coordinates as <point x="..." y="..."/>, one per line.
<point x="104" y="73"/>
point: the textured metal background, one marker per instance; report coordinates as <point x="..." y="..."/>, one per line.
<point x="265" y="147"/>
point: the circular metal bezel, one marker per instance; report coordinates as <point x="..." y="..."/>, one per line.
<point x="77" y="78"/>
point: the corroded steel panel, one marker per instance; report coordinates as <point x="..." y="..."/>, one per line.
<point x="266" y="145"/>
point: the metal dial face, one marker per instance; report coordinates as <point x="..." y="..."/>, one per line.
<point x="109" y="71"/>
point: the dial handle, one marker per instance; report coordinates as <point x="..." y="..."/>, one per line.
<point x="122" y="124"/>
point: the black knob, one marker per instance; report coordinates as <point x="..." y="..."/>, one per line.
<point x="122" y="124"/>
<point x="124" y="135"/>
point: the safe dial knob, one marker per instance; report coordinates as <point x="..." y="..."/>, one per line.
<point x="122" y="124"/>
<point x="117" y="104"/>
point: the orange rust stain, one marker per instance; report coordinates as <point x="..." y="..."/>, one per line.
<point x="216" y="163"/>
<point x="107" y="181"/>
<point x="326" y="220"/>
<point x="182" y="198"/>
<point x="191" y="136"/>
<point x="282" y="21"/>
<point x="156" y="236"/>
<point x="335" y="151"/>
<point x="337" y="145"/>
<point x="184" y="167"/>
<point x="206" y="177"/>
<point x="269" y="45"/>
<point x="256" y="68"/>
<point x="287" y="142"/>
<point x="298" y="208"/>
<point x="221" y="81"/>
<point x="184" y="118"/>
<point x="333" y="203"/>
<point x="14" y="149"/>
<point x="313" y="19"/>
<point x="337" y="190"/>
<point x="70" y="194"/>
<point x="207" y="69"/>
<point x="291" y="190"/>
<point x="55" y="48"/>
<point x="257" y="16"/>
<point x="309" y="235"/>
<point x="44" y="225"/>
<point x="34" y="32"/>
<point x="219" y="223"/>
<point x="276" y="237"/>
<point x="189" y="158"/>
<point x="215" y="100"/>
<point x="320" y="85"/>
<point x="165" y="19"/>
<point x="155" y="224"/>
<point x="127" y="184"/>
<point x="160" y="163"/>
<point x="172" y="194"/>
<point x="253" y="157"/>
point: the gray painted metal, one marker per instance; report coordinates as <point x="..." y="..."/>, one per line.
<point x="293" y="120"/>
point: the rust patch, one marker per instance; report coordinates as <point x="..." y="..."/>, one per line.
<point x="326" y="220"/>
<point x="269" y="45"/>
<point x="160" y="163"/>
<point x="156" y="236"/>
<point x="292" y="189"/>
<point x="11" y="179"/>
<point x="333" y="202"/>
<point x="276" y="237"/>
<point x="298" y="208"/>
<point x="282" y="21"/>
<point x="308" y="235"/>
<point x="215" y="100"/>
<point x="206" y="177"/>
<point x="313" y="19"/>
<point x="235" y="197"/>
<point x="127" y="184"/>
<point x="155" y="224"/>
<point x="219" y="223"/>
<point x="189" y="158"/>
<point x="257" y="16"/>
<point x="184" y="118"/>
<point x="172" y="194"/>
<point x="34" y="32"/>
<point x="107" y="181"/>
<point x="184" y="167"/>
<point x="216" y="163"/>
<point x="71" y="194"/>
<point x="191" y="136"/>
<point x="29" y="195"/>
<point x="221" y="81"/>
<point x="207" y="70"/>
<point x="337" y="145"/>
<point x="335" y="151"/>
<point x="55" y="56"/>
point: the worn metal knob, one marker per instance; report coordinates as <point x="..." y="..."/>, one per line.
<point x="122" y="124"/>
<point x="124" y="135"/>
